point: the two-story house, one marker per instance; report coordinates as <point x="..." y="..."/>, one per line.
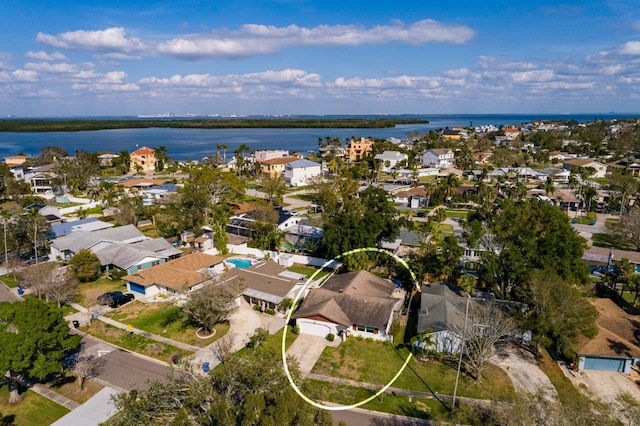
<point x="440" y="158"/>
<point x="390" y="159"/>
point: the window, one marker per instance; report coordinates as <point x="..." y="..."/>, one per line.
<point x="155" y="263"/>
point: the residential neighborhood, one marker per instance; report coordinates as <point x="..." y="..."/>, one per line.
<point x="499" y="263"/>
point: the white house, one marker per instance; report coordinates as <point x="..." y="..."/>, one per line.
<point x="390" y="159"/>
<point x="600" y="169"/>
<point x="301" y="172"/>
<point x="441" y="158"/>
<point x="338" y="307"/>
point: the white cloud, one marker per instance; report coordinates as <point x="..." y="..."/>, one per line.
<point x="44" y="56"/>
<point x="111" y="39"/>
<point x="115" y="77"/>
<point x="18" y="76"/>
<point x="630" y="48"/>
<point x="256" y="39"/>
<point x="284" y="77"/>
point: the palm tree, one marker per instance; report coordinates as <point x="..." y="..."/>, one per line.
<point x="549" y="187"/>
<point x="161" y="157"/>
<point x="5" y="215"/>
<point x="124" y="161"/>
<point x="240" y="161"/>
<point x="34" y="215"/>
<point x="224" y="147"/>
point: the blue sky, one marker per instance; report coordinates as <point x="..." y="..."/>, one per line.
<point x="318" y="57"/>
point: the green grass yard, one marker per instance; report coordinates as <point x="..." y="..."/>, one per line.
<point x="88" y="292"/>
<point x="9" y="280"/>
<point x="134" y="342"/>
<point x="164" y="319"/>
<point x="32" y="410"/>
<point x="377" y="362"/>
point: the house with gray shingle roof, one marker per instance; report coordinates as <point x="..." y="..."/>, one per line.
<point x="123" y="247"/>
<point x="352" y="304"/>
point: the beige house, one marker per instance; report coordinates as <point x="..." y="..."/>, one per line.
<point x="358" y="149"/>
<point x="275" y="166"/>
<point x="143" y="159"/>
<point x="15" y="160"/>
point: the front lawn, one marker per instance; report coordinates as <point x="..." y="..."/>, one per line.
<point x="377" y="362"/>
<point x="89" y="292"/>
<point x="613" y="241"/>
<point x="67" y="386"/>
<point x="387" y="402"/>
<point x="9" y="280"/>
<point x="134" y="342"/>
<point x="163" y="319"/>
<point x="32" y="409"/>
<point x="457" y="214"/>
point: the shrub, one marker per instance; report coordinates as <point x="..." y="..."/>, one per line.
<point x="331" y="337"/>
<point x="270" y="311"/>
<point x="295" y="329"/>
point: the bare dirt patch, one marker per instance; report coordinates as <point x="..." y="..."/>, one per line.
<point x="521" y="367"/>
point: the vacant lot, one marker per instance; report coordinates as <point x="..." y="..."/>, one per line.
<point x="89" y="292"/>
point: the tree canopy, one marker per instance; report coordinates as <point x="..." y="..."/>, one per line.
<point x="247" y="390"/>
<point x="38" y="338"/>
<point x="519" y="236"/>
<point x="85" y="266"/>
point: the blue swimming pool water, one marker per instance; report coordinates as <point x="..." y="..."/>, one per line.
<point x="240" y="263"/>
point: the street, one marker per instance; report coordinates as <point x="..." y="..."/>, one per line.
<point x="122" y="369"/>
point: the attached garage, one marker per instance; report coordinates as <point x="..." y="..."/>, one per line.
<point x="616" y="348"/>
<point x="137" y="288"/>
<point x="620" y="365"/>
<point x="317" y="328"/>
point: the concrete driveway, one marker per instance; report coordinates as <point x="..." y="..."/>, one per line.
<point x="243" y="323"/>
<point x="607" y="385"/>
<point x="307" y="349"/>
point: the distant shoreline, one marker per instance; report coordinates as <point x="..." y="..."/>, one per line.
<point x="46" y="125"/>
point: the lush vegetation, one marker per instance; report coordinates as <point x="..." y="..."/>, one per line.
<point x="32" y="409"/>
<point x="82" y="125"/>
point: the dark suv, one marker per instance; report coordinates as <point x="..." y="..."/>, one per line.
<point x="121" y="300"/>
<point x="107" y="298"/>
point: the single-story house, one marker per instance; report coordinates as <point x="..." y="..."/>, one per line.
<point x="89" y="224"/>
<point x="442" y="310"/>
<point x="598" y="257"/>
<point x="268" y="284"/>
<point x="617" y="345"/>
<point x="181" y="275"/>
<point x="356" y="303"/>
<point x="123" y="247"/>
<point x="303" y="235"/>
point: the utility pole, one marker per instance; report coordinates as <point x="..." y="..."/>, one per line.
<point x="464" y="335"/>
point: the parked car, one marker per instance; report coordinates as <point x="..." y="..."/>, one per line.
<point x="107" y="298"/>
<point x="121" y="300"/>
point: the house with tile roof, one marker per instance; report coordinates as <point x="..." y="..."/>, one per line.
<point x="356" y="150"/>
<point x="352" y="304"/>
<point x="182" y="275"/>
<point x="143" y="158"/>
<point x="275" y="166"/>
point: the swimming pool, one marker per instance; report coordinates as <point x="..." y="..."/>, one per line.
<point x="239" y="263"/>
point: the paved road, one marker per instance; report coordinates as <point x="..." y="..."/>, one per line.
<point x="7" y="294"/>
<point x="358" y="417"/>
<point x="122" y="369"/>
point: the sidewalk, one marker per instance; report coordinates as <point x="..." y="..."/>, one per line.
<point x="54" y="396"/>
<point x="398" y="391"/>
<point x="122" y="326"/>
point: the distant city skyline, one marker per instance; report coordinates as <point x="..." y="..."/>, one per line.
<point x="251" y="57"/>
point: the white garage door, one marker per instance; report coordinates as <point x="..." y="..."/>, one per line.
<point x="315" y="328"/>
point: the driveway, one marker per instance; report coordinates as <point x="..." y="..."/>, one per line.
<point x="522" y="369"/>
<point x="606" y="385"/>
<point x="243" y="323"/>
<point x="307" y="349"/>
